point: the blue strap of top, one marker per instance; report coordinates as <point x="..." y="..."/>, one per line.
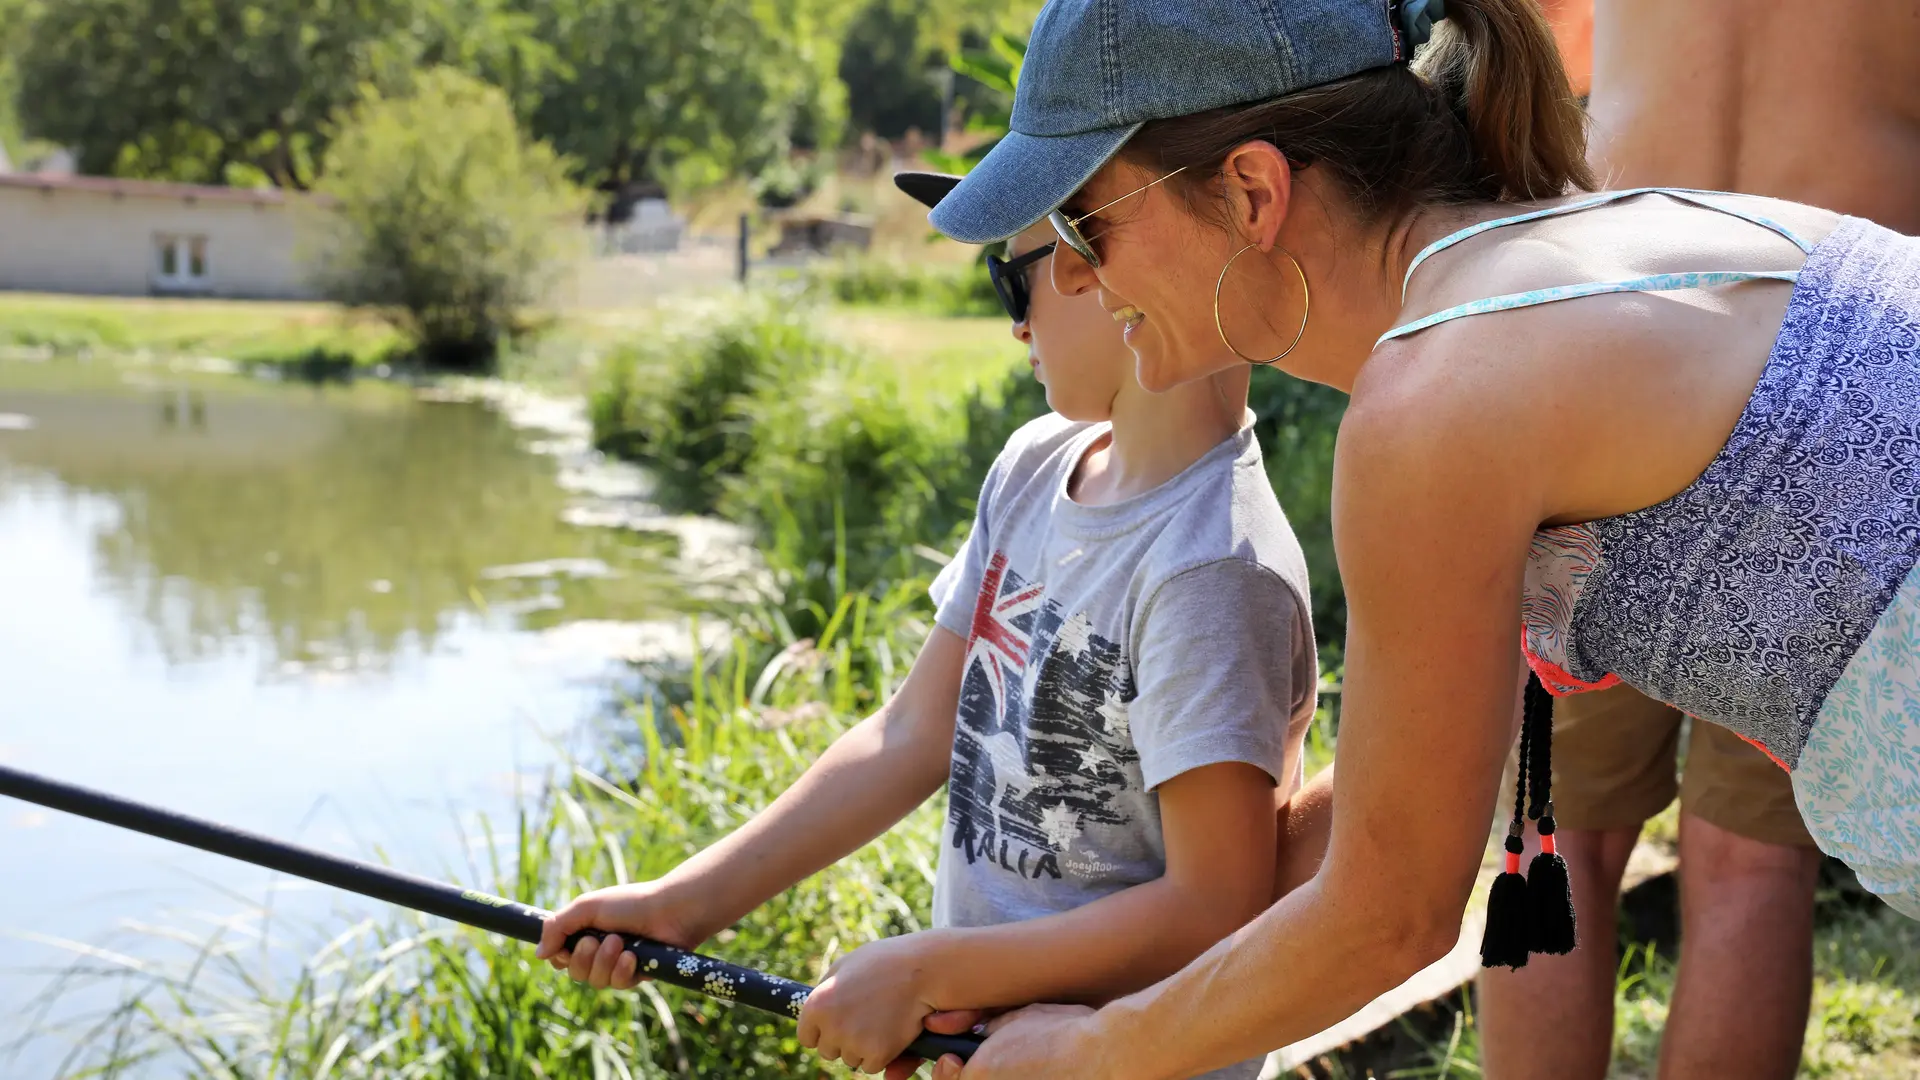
<point x="1649" y="283"/>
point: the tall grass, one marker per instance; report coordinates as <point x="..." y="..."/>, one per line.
<point x="677" y="399"/>
<point x="918" y="285"/>
<point x="404" y="996"/>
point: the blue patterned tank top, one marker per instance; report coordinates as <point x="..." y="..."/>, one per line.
<point x="1741" y="599"/>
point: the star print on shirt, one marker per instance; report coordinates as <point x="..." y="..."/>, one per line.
<point x="1042" y="741"/>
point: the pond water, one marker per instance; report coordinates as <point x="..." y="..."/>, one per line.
<point x="358" y="617"/>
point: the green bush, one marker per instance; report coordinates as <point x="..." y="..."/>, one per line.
<point x="756" y="415"/>
<point x="449" y="221"/>
<point x="842" y="478"/>
<point x="682" y="401"/>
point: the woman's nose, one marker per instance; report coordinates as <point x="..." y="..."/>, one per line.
<point x="1071" y="273"/>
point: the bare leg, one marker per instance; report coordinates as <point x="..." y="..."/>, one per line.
<point x="1746" y="956"/>
<point x="1553" y="1019"/>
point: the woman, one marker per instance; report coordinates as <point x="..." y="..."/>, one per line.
<point x="1666" y="438"/>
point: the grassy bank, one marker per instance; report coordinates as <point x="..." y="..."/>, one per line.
<point x="243" y="332"/>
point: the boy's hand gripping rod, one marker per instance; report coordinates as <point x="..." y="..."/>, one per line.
<point x="690" y="971"/>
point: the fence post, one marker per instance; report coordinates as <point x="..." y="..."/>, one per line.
<point x="740" y="260"/>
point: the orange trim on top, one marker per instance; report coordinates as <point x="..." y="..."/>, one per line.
<point x="1556" y="680"/>
<point x="1755" y="745"/>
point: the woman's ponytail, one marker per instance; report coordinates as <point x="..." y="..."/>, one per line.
<point x="1498" y="65"/>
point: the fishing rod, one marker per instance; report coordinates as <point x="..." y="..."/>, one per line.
<point x="716" y="979"/>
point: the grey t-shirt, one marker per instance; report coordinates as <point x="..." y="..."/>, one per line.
<point x="1110" y="649"/>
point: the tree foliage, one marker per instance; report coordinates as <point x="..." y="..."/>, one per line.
<point x="449" y="219"/>
<point x="898" y="56"/>
<point x="728" y="84"/>
<point x="196" y="89"/>
<point x="16" y="17"/>
<point x="241" y="90"/>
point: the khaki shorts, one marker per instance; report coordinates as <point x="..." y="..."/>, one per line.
<point x="1616" y="764"/>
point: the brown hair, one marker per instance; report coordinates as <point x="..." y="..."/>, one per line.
<point x="1484" y="112"/>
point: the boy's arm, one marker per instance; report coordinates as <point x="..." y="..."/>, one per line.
<point x="869" y="779"/>
<point x="1224" y="668"/>
<point x="1219" y="826"/>
<point x="1218" y="655"/>
<point x="1305" y="825"/>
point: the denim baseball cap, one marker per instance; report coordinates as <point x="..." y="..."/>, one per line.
<point x="1096" y="70"/>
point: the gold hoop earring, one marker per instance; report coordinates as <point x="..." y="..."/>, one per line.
<point x="1305" y="295"/>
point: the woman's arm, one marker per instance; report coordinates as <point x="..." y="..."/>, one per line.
<point x="1434" y="514"/>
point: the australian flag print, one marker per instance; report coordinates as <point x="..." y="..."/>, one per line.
<point x="1042" y="745"/>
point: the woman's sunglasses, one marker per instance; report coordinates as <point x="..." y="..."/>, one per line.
<point x="1069" y="228"/>
<point x="1010" y="280"/>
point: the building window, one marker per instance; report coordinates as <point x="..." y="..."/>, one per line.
<point x="180" y="263"/>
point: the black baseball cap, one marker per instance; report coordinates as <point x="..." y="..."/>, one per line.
<point x="928" y="187"/>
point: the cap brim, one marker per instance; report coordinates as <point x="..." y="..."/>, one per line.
<point x="1023" y="179"/>
<point x="928" y="187"/>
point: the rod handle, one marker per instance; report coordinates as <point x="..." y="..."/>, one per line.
<point x="755" y="989"/>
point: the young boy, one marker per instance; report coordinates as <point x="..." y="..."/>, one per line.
<point x="1116" y="692"/>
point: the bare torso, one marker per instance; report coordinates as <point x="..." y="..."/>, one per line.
<point x="1853" y="79"/>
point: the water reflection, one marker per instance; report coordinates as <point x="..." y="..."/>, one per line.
<point x="343" y="615"/>
<point x="340" y="525"/>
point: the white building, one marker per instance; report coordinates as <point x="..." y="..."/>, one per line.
<point x="89" y="234"/>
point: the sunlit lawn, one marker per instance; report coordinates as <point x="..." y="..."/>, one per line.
<point x="936" y="358"/>
<point x="228" y="329"/>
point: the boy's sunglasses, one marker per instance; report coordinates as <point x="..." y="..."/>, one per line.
<point x="1010" y="280"/>
<point x="1069" y="228"/>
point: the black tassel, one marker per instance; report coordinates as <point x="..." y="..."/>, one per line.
<point x="1508" y="923"/>
<point x="1549" y="892"/>
<point x="1536" y="741"/>
<point x="1549" y="898"/>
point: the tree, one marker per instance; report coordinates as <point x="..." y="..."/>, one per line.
<point x="191" y="89"/>
<point x="897" y="60"/>
<point x="220" y="91"/>
<point x="16" y="16"/>
<point x="640" y="87"/>
<point x="450" y="221"/>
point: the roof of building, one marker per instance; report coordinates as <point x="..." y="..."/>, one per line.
<point x="140" y="189"/>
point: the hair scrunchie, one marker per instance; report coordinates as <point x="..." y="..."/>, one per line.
<point x="1416" y="18"/>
